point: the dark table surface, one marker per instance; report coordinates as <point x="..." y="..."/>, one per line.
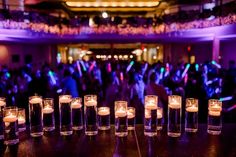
<point x="105" y="144"/>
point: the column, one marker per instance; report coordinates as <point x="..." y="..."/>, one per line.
<point x="216" y="49"/>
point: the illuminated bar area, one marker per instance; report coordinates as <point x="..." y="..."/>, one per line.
<point x="126" y="78"/>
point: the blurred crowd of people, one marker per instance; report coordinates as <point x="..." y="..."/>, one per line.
<point x="124" y="80"/>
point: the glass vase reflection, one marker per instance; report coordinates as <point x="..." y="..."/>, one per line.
<point x="48" y="114"/>
<point x="36" y="116"/>
<point x="77" y="114"/>
<point x="90" y="115"/>
<point x="65" y="115"/>
<point x="10" y="120"/>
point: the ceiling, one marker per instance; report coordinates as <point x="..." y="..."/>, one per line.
<point x="145" y="8"/>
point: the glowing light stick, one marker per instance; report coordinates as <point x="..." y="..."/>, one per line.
<point x="121" y="76"/>
<point x="109" y="67"/>
<point x="216" y="64"/>
<point x="211" y="81"/>
<point x="226" y="98"/>
<point x="167" y="69"/>
<point x="92" y="66"/>
<point x="196" y="67"/>
<point x="8" y="74"/>
<point x="146" y="66"/>
<point x="185" y="71"/>
<point x="231" y="108"/>
<point x="83" y="66"/>
<point x="52" y="77"/>
<point x="129" y="66"/>
<point x="58" y="58"/>
<point x="78" y="67"/>
<point x="186" y="78"/>
<point x="162" y="71"/>
<point x="59" y="91"/>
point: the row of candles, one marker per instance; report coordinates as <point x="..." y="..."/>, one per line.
<point x="41" y="116"/>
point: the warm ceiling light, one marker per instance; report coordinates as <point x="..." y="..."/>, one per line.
<point x="113" y="4"/>
<point x="104" y="15"/>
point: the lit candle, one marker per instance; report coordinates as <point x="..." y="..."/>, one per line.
<point x="120" y="113"/>
<point x="91" y="103"/>
<point x="35" y="100"/>
<point x="2" y="103"/>
<point x="21" y="120"/>
<point x="159" y="114"/>
<point x="10" y="118"/>
<point x="76" y="104"/>
<point x="147" y="113"/>
<point x="216" y="108"/>
<point x="130" y="114"/>
<point x="174" y="104"/>
<point x="192" y="109"/>
<point x="65" y="99"/>
<point x="103" y="111"/>
<point x="151" y="105"/>
<point x="214" y="113"/>
<point x="47" y="110"/>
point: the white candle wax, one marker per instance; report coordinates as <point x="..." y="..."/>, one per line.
<point x="130" y="114"/>
<point x="76" y="105"/>
<point x="214" y="113"/>
<point x="216" y="108"/>
<point x="21" y="120"/>
<point x="151" y="106"/>
<point x="147" y="113"/>
<point x="65" y="100"/>
<point x="120" y="113"/>
<point x="47" y="110"/>
<point x="10" y="118"/>
<point x="103" y="111"/>
<point x="35" y="100"/>
<point x="2" y="103"/>
<point x="159" y="114"/>
<point x="174" y="105"/>
<point x="192" y="109"/>
<point x="91" y="103"/>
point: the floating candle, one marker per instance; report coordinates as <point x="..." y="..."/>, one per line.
<point x="91" y="103"/>
<point x="151" y="106"/>
<point x="147" y="113"/>
<point x="10" y="118"/>
<point x="47" y="110"/>
<point x="21" y="120"/>
<point x="130" y="114"/>
<point x="159" y="114"/>
<point x="76" y="105"/>
<point x="2" y="103"/>
<point x="103" y="111"/>
<point x="36" y="100"/>
<point x="215" y="108"/>
<point x="214" y="113"/>
<point x="65" y="99"/>
<point x="174" y="105"/>
<point x="192" y="109"/>
<point x="120" y="113"/>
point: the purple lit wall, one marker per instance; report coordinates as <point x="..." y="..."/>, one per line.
<point x="40" y="54"/>
<point x="178" y="51"/>
<point x="228" y="52"/>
